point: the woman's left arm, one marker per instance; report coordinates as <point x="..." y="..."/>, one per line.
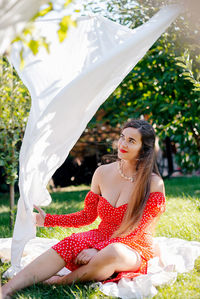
<point x="157" y="184"/>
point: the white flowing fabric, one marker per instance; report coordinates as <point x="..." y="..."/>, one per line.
<point x="67" y="87"/>
<point x="14" y="14"/>
<point x="177" y="256"/>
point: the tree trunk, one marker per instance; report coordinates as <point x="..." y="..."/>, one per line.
<point x="169" y="156"/>
<point x="12" y="203"/>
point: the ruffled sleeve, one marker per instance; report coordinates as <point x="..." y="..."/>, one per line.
<point x="81" y="218"/>
<point x="155" y="206"/>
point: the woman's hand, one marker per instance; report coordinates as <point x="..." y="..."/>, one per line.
<point x="39" y="217"/>
<point x="85" y="256"/>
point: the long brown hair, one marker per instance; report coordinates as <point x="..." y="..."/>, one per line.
<point x="145" y="166"/>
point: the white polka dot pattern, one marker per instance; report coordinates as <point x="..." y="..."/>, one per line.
<point x="95" y="205"/>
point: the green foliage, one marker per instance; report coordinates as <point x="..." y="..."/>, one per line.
<point x="14" y="109"/>
<point x="29" y="37"/>
<point x="65" y="23"/>
<point x="67" y="2"/>
<point x="43" y="12"/>
<point x="186" y="63"/>
<point x="156" y="88"/>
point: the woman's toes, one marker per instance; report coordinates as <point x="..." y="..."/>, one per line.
<point x="52" y="280"/>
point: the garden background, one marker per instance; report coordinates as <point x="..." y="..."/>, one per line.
<point x="163" y="88"/>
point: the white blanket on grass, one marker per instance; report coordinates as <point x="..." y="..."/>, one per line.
<point x="177" y="256"/>
<point x="67" y="87"/>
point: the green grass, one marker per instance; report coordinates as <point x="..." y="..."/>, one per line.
<point x="181" y="220"/>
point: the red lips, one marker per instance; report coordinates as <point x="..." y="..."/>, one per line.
<point x="123" y="151"/>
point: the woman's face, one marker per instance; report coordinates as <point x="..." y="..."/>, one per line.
<point x="129" y="144"/>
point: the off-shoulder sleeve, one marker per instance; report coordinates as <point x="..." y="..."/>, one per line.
<point x="155" y="206"/>
<point x="81" y="218"/>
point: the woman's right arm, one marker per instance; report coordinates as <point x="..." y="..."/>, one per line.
<point x="77" y="219"/>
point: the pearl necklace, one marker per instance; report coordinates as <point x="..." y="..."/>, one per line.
<point x="128" y="178"/>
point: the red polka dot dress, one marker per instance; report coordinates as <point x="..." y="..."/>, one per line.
<point x="111" y="217"/>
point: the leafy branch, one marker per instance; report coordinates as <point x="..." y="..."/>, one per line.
<point x="186" y="63"/>
<point x="33" y="42"/>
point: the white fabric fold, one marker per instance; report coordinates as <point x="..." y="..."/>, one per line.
<point x="162" y="270"/>
<point x="67" y="87"/>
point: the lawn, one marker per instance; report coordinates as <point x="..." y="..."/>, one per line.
<point x="181" y="220"/>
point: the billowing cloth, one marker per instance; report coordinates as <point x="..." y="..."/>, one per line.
<point x="95" y="205"/>
<point x="14" y="14"/>
<point x="67" y="86"/>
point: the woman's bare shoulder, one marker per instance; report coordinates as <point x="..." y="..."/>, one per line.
<point x="157" y="184"/>
<point x="105" y="169"/>
<point x="100" y="174"/>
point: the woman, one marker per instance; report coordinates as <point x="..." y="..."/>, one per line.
<point x="128" y="195"/>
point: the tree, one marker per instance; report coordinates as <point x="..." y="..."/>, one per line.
<point x="14" y="109"/>
<point x="157" y="89"/>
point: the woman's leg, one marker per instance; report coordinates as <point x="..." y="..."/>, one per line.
<point x="115" y="257"/>
<point x="43" y="267"/>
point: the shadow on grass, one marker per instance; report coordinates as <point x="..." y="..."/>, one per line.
<point x="183" y="186"/>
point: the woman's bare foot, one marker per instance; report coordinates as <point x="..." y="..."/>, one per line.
<point x="56" y="279"/>
<point x="5" y="293"/>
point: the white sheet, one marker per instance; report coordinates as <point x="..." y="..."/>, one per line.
<point x="177" y="256"/>
<point x="14" y="14"/>
<point x="67" y="87"/>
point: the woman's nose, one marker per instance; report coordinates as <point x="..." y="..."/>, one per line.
<point x="124" y="143"/>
